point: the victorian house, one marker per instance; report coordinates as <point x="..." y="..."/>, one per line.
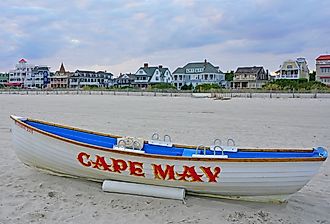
<point x="147" y="75"/>
<point x="196" y="73"/>
<point x="18" y="75"/>
<point x="81" y="78"/>
<point x="29" y="76"/>
<point x="250" y="77"/>
<point x="124" y="80"/>
<point x="60" y="79"/>
<point x="37" y="78"/>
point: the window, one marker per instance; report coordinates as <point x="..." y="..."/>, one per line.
<point x="289" y="66"/>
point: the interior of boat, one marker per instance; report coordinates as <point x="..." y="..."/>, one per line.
<point x="157" y="147"/>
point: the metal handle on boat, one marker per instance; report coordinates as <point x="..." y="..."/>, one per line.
<point x="137" y="144"/>
<point x="155" y="136"/>
<point x="232" y="141"/>
<point x="121" y="141"/>
<point x="217" y="140"/>
<point x="218" y="146"/>
<point x="200" y="147"/>
<point x="168" y="138"/>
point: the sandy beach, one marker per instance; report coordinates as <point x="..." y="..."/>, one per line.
<point x="30" y="196"/>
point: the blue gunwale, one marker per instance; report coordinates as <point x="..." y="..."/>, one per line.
<point x="108" y="141"/>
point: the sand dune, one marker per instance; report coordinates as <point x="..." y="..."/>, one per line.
<point x="30" y="196"/>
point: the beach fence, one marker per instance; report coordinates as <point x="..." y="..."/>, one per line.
<point x="227" y="94"/>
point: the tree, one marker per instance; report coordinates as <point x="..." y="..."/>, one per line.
<point x="312" y="76"/>
<point x="187" y="87"/>
<point x="229" y="75"/>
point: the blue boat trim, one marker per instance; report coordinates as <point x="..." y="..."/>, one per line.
<point x="109" y="142"/>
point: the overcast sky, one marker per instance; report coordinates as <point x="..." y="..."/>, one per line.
<point x="119" y="36"/>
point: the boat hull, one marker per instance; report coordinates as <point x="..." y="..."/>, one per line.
<point x="262" y="179"/>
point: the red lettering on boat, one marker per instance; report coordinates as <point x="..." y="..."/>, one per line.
<point x="212" y="176"/>
<point x="81" y="157"/>
<point x="24" y="127"/>
<point x="136" y="168"/>
<point x="159" y="173"/>
<point x="118" y="165"/>
<point x="100" y="163"/>
<point x="189" y="174"/>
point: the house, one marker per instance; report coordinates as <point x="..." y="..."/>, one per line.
<point x="4" y="78"/>
<point x="146" y="76"/>
<point x="196" y="73"/>
<point x="323" y="69"/>
<point x="37" y="78"/>
<point x="293" y="69"/>
<point x="18" y="75"/>
<point x="81" y="78"/>
<point x="60" y="79"/>
<point x="28" y="76"/>
<point x="250" y="77"/>
<point x="124" y="80"/>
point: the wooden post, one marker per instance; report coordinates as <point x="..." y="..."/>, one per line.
<point x="292" y="93"/>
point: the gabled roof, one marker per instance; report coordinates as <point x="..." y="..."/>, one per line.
<point x="149" y="70"/>
<point x="22" y="61"/>
<point x="130" y="76"/>
<point x="323" y="57"/>
<point x="207" y="68"/>
<point x="253" y="70"/>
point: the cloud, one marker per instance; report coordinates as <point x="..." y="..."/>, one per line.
<point x="108" y="33"/>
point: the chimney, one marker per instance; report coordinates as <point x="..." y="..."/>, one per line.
<point x="145" y="65"/>
<point x="160" y="66"/>
<point x="205" y="61"/>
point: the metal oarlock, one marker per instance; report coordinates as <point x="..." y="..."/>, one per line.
<point x="232" y="141"/>
<point x="136" y="144"/>
<point x="166" y="141"/>
<point x="200" y="146"/>
<point x="167" y="137"/>
<point x="217" y="140"/>
<point x="218" y="146"/>
<point x="121" y="143"/>
<point x="155" y="136"/>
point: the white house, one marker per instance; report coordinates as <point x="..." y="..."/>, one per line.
<point x="196" y="73"/>
<point x="82" y="78"/>
<point x="293" y="69"/>
<point x="152" y="75"/>
<point x="18" y="75"/>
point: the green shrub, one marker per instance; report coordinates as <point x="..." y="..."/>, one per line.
<point x="207" y="87"/>
<point x="187" y="87"/>
<point x="162" y="86"/>
<point x="300" y="85"/>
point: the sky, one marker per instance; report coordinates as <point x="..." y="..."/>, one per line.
<point x="119" y="36"/>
